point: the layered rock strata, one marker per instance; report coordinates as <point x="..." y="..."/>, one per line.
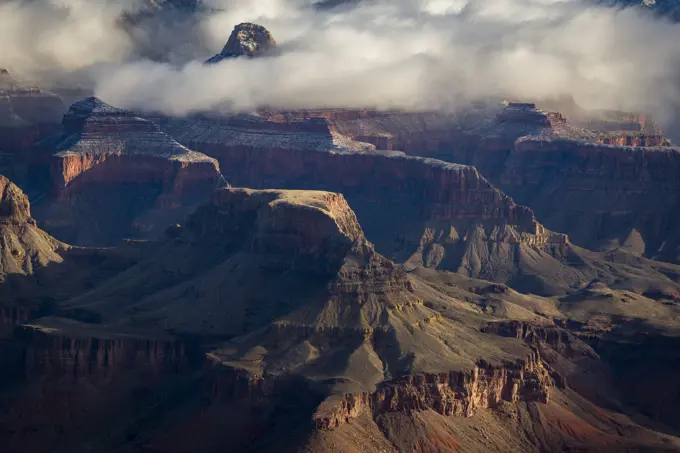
<point x="425" y="195"/>
<point x="610" y="177"/>
<point x="114" y="174"/>
<point x="455" y="393"/>
<point x="304" y="323"/>
<point x="57" y="348"/>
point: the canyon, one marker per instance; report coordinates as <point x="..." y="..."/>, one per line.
<point x="271" y="302"/>
<point x="503" y="277"/>
<point x="416" y="210"/>
<point x="613" y="174"/>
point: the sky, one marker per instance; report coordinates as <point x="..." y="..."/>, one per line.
<point x="412" y="54"/>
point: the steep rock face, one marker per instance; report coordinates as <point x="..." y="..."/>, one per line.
<point x="559" y="339"/>
<point x="27" y="115"/>
<point x="114" y="174"/>
<point x="612" y="174"/>
<point x="303" y="310"/>
<point x="455" y="393"/>
<point x="288" y="233"/>
<point x="613" y="192"/>
<point x="452" y="205"/>
<point x="63" y="348"/>
<point x="246" y="40"/>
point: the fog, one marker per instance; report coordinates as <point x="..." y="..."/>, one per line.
<point x="424" y="54"/>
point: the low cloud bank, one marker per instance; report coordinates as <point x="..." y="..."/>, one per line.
<point x="379" y="53"/>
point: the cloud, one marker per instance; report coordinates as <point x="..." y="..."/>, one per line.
<point x="400" y="53"/>
<point x="61" y="35"/>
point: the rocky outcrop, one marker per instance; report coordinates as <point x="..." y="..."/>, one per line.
<point x="107" y="156"/>
<point x="246" y="40"/>
<point x="14" y="205"/>
<point x="537" y="335"/>
<point x="454" y="393"/>
<point x="23" y="247"/>
<point x="307" y="231"/>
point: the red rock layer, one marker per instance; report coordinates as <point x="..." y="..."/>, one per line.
<point x="176" y="179"/>
<point x="454" y="393"/>
<point x="107" y="156"/>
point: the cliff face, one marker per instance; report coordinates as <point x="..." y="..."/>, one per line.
<point x="74" y="381"/>
<point x="303" y="322"/>
<point x="114" y="174"/>
<point x="451" y="203"/>
<point x="64" y="349"/>
<point x="310" y="231"/>
<point x="610" y="173"/>
<point x="610" y="192"/>
<point x="455" y="393"/>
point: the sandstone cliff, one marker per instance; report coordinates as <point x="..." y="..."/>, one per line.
<point x="114" y="174"/>
<point x="455" y="393"/>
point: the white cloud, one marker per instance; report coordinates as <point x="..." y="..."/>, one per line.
<point x="399" y="53"/>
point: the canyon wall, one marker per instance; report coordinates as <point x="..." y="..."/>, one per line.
<point x="57" y="348"/>
<point x="113" y="174"/>
<point x="613" y="179"/>
<point x="455" y="393"/>
<point x="261" y="156"/>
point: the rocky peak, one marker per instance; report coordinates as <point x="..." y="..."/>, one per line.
<point x="14" y="206"/>
<point x="93" y="114"/>
<point x="23" y="247"/>
<point x="91" y="126"/>
<point x="248" y="40"/>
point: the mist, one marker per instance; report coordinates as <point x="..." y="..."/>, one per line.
<point x="412" y="54"/>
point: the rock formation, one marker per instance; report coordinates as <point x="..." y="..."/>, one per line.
<point x="611" y="173"/>
<point x="67" y="349"/>
<point x="114" y="174"/>
<point x="27" y="115"/>
<point x="23" y="246"/>
<point x="419" y="211"/>
<point x="246" y="40"/>
<point x="271" y="308"/>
